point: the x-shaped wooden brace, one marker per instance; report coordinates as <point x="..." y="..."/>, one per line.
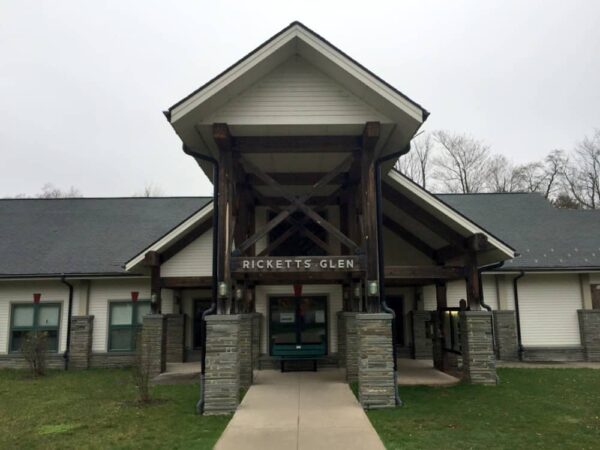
<point x="298" y="203"/>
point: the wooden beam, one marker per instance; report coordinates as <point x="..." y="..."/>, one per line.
<point x="185" y="282"/>
<point x="370" y="135"/>
<point x="152" y="260"/>
<point x="297" y="144"/>
<point x="476" y="243"/>
<point x="222" y="136"/>
<point x="294" y="178"/>
<point x="409" y="237"/>
<point x="423" y="272"/>
<point x="422" y="216"/>
<point x="368" y="208"/>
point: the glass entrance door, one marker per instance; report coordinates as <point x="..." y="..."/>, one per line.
<point x="298" y="320"/>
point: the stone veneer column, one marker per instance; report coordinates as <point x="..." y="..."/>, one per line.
<point x="589" y="328"/>
<point x="477" y="347"/>
<point x="341" y="339"/>
<point x="351" y="346"/>
<point x="505" y="331"/>
<point x="154" y="344"/>
<point x="256" y="331"/>
<point x="376" y="384"/>
<point x="423" y="345"/>
<point x="245" y="350"/>
<point x="222" y="377"/>
<point x="80" y="351"/>
<point x="175" y="338"/>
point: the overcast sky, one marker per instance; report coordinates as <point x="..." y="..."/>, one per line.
<point x="83" y="84"/>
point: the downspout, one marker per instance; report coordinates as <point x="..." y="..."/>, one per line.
<point x="518" y="314"/>
<point x="69" y="314"/>
<point x="215" y="246"/>
<point x="380" y="260"/>
<point x="479" y="271"/>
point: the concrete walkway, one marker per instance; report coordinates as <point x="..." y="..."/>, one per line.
<point x="299" y="410"/>
<point x="420" y="372"/>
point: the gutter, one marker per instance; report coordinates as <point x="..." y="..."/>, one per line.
<point x="518" y="314"/>
<point x="479" y="271"/>
<point x="215" y="247"/>
<point x="66" y="355"/>
<point x="380" y="261"/>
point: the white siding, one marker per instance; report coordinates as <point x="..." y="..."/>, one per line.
<point x="595" y="278"/>
<point x="296" y="92"/>
<point x="548" y="307"/>
<point x="193" y="260"/>
<point x="103" y="291"/>
<point x="457" y="290"/>
<point x="22" y="292"/>
<point x="335" y="304"/>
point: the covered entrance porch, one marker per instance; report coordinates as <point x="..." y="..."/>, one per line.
<point x="299" y="141"/>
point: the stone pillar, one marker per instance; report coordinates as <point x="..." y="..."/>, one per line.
<point x="341" y="339"/>
<point x="256" y="331"/>
<point x="175" y="338"/>
<point x="351" y="351"/>
<point x="245" y="351"/>
<point x="422" y="344"/>
<point x="154" y="344"/>
<point x="376" y="383"/>
<point x="80" y="352"/>
<point x="505" y="331"/>
<point x="589" y="328"/>
<point x="222" y="377"/>
<point x="477" y="347"/>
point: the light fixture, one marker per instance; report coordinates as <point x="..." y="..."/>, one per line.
<point x="373" y="288"/>
<point x="223" y="289"/>
<point x="154" y="298"/>
<point x="239" y="294"/>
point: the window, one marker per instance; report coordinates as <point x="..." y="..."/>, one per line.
<point x="126" y="319"/>
<point x="33" y="318"/>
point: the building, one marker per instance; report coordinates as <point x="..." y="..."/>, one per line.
<point x="310" y="247"/>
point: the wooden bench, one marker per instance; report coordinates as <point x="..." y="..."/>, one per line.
<point x="294" y="352"/>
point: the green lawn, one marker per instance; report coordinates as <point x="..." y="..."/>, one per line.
<point x="530" y="408"/>
<point x="96" y="409"/>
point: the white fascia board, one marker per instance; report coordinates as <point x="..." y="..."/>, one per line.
<point x="231" y="75"/>
<point x="328" y="51"/>
<point x="436" y="203"/>
<point x="171" y="236"/>
<point x="361" y="75"/>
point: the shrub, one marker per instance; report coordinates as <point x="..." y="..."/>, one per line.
<point x="34" y="349"/>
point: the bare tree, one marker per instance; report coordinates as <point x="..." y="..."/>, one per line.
<point x="416" y="163"/>
<point x="150" y="190"/>
<point x="582" y="172"/>
<point x="51" y="191"/>
<point x="462" y="163"/>
<point x="502" y="175"/>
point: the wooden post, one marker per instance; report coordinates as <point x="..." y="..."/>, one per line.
<point x="369" y="199"/>
<point x="473" y="285"/>
<point x="441" y="302"/>
<point x="152" y="260"/>
<point x="223" y="140"/>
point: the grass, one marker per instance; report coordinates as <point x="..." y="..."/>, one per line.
<point x="530" y="408"/>
<point x="97" y="409"/>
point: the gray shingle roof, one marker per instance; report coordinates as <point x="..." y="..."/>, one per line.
<point x="98" y="235"/>
<point x="546" y="237"/>
<point x="84" y="235"/>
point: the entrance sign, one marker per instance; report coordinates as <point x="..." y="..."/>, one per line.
<point x="297" y="264"/>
